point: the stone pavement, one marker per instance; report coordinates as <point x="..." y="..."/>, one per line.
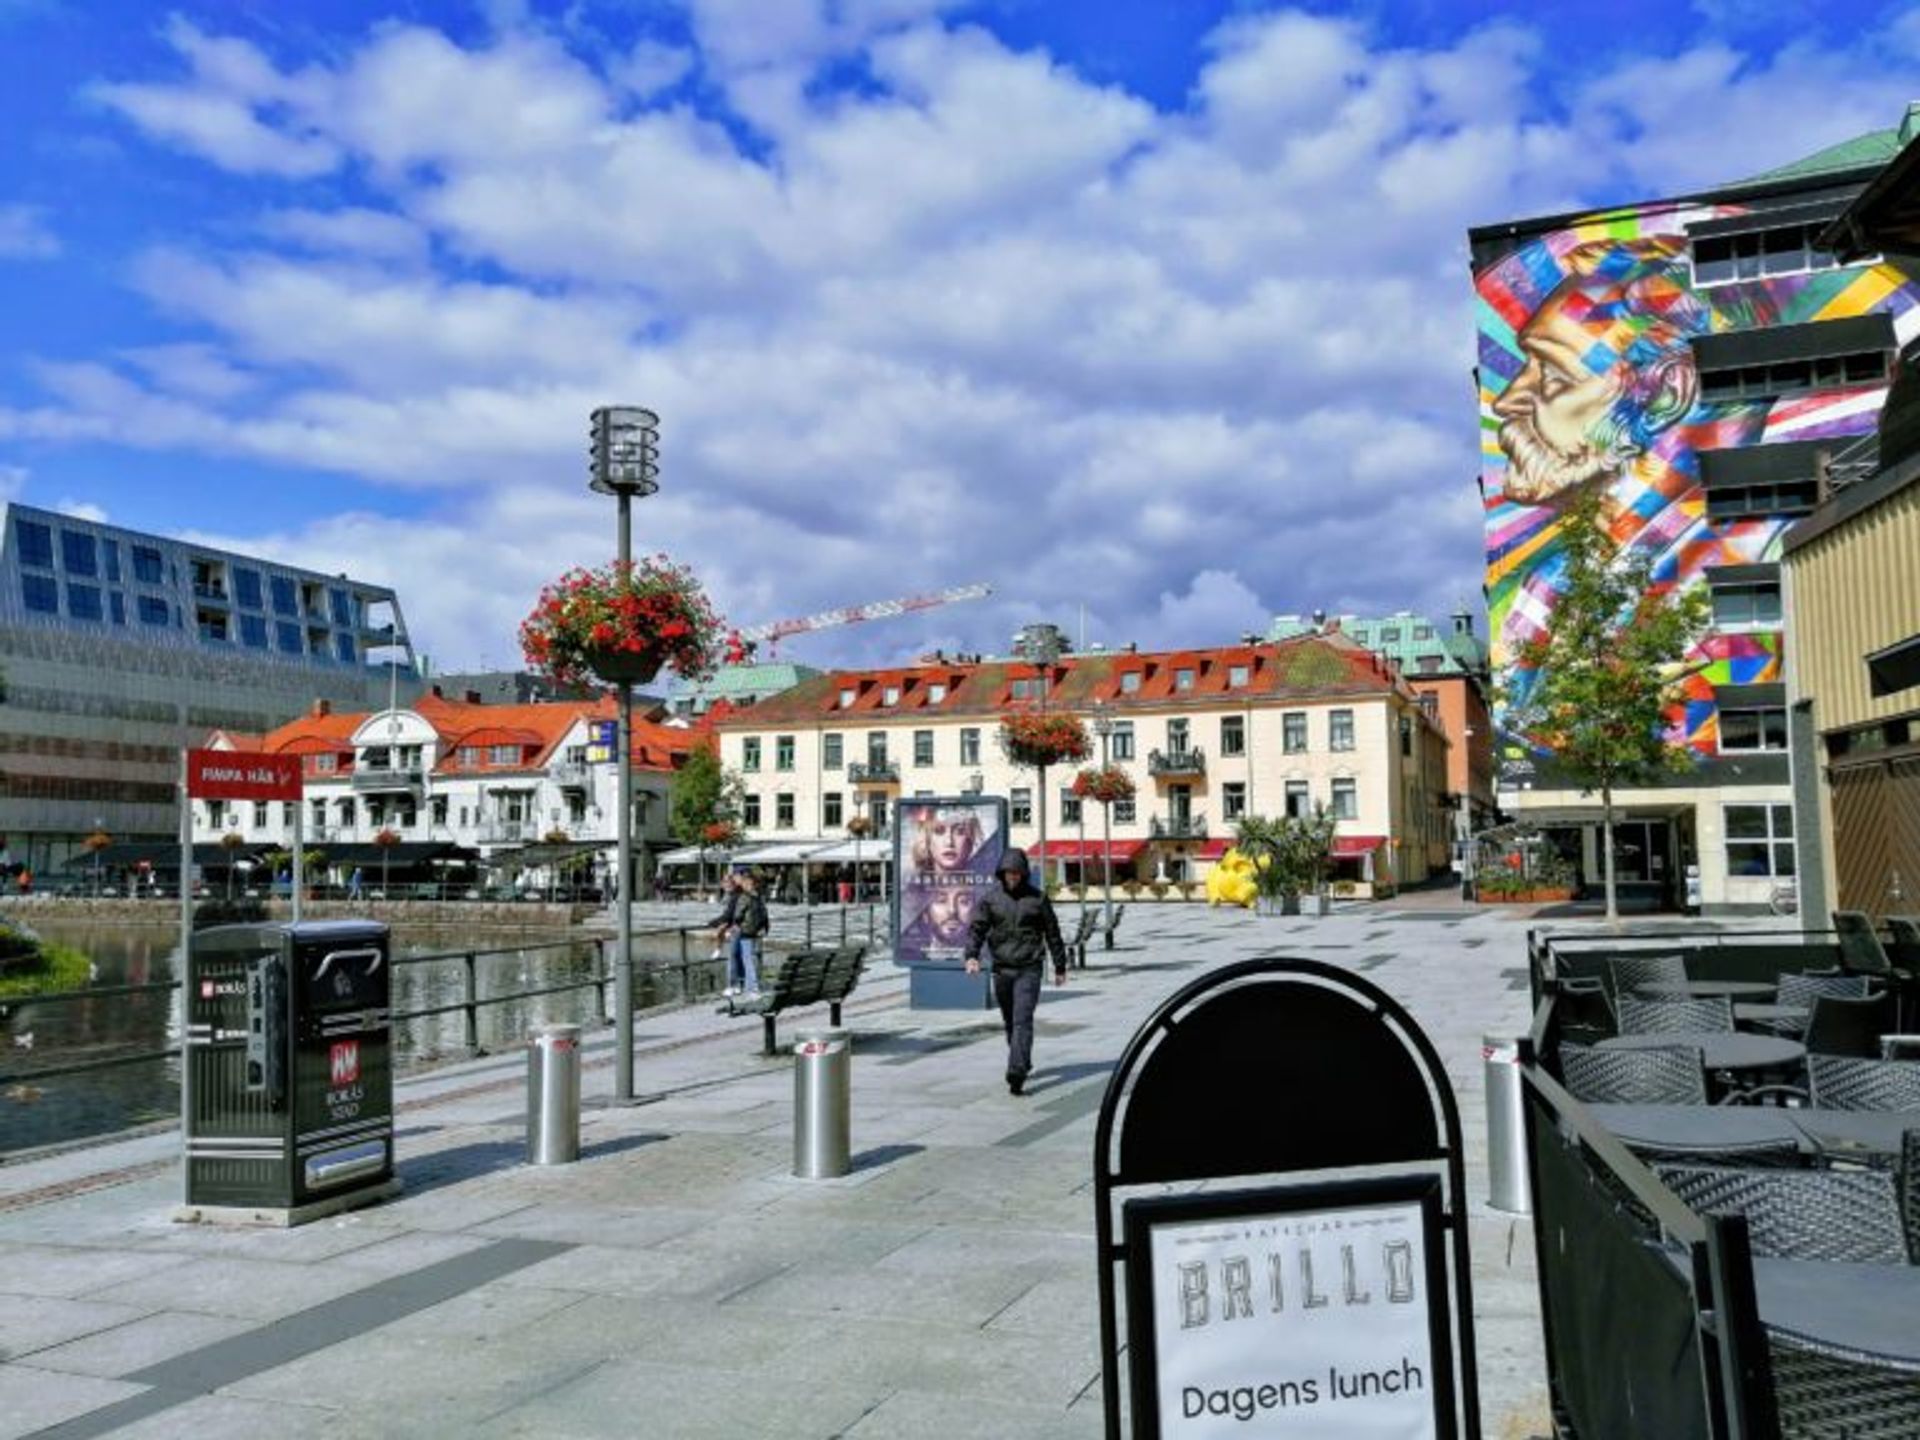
<point x="677" y="1281"/>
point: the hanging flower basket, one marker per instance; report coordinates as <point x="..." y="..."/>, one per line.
<point x="1033" y="738"/>
<point x="719" y="832"/>
<point x="626" y="623"/>
<point x="1105" y="785"/>
<point x="387" y="838"/>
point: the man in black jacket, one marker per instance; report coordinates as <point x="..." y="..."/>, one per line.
<point x="1017" y="925"/>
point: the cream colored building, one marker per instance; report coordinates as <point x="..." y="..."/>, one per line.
<point x="1207" y="736"/>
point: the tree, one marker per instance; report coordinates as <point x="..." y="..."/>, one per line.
<point x="1606" y="673"/>
<point x="1289" y="853"/>
<point x="704" y="794"/>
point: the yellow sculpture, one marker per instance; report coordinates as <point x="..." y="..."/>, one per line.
<point x="1231" y="881"/>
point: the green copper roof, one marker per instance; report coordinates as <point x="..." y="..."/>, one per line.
<point x="732" y="680"/>
<point x="1876" y="147"/>
<point x="1404" y="639"/>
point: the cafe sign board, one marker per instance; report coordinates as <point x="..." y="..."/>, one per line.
<point x="237" y="775"/>
<point x="1316" y="1312"/>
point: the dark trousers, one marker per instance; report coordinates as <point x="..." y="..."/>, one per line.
<point x="1018" y="992"/>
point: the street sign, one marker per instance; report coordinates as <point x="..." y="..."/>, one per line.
<point x="228" y="775"/>
<point x="603" y="741"/>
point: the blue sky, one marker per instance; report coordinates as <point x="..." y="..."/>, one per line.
<point x="1156" y="313"/>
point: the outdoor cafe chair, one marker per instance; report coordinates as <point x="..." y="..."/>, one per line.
<point x="1849" y="1024"/>
<point x="1803" y="988"/>
<point x="1666" y="1017"/>
<point x="1817" y="1393"/>
<point x="1847" y="1215"/>
<point x="1860" y="947"/>
<point x="1670" y="1075"/>
<point x="1846" y="1082"/>
<point x="1632" y="971"/>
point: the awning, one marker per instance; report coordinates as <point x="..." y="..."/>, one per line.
<point x="1119" y="851"/>
<point x="161" y="855"/>
<point x="697" y="855"/>
<point x="787" y="852"/>
<point x="1213" y="850"/>
<point x="528" y="856"/>
<point x="1349" y="847"/>
<point x="878" y="850"/>
<point x="400" y="854"/>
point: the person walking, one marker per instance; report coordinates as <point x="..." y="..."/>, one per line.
<point x="1017" y="926"/>
<point x="750" y="928"/>
<point x="726" y="931"/>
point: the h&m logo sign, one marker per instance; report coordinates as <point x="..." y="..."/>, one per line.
<point x="344" y="1066"/>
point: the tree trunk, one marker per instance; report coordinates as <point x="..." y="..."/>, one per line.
<point x="1606" y="852"/>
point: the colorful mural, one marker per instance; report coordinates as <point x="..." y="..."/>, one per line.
<point x="1587" y="379"/>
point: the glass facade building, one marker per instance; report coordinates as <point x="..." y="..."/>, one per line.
<point x="117" y="648"/>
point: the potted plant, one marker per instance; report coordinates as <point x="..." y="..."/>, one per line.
<point x="624" y="623"/>
<point x="1289" y="854"/>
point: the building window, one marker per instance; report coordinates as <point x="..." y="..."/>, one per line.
<point x="832" y="751"/>
<point x="153" y="610"/>
<point x="83" y="602"/>
<point x="79" y="553"/>
<point x="890" y="695"/>
<point x="287" y="638"/>
<point x="750" y="753"/>
<point x="147" y="568"/>
<point x="1346" y="800"/>
<point x="1183" y="679"/>
<point x="503" y="755"/>
<point x="831" y="811"/>
<point x="877" y="747"/>
<point x="1406" y="735"/>
<point x="1070" y="811"/>
<point x="1742" y="606"/>
<point x="936" y="692"/>
<point x="1423" y="632"/>
<point x="40" y="594"/>
<point x="1233" y="735"/>
<point x="35" y="542"/>
<point x="1743" y="730"/>
<point x="1759" y="840"/>
<point x="1390" y="635"/>
<point x="1340" y="730"/>
<point x="1718" y="259"/>
<point x="259" y="814"/>
<point x="1736" y="502"/>
<point x="1020" y="803"/>
<point x="117" y="607"/>
<point x="877" y="810"/>
<point x="1787" y="377"/>
<point x="1121" y="741"/>
<point x="246" y="588"/>
<point x="213" y="625"/>
<point x="783" y="752"/>
<point x="1237" y="676"/>
<point x="285" y="600"/>
<point x="342" y="645"/>
<point x="923" y="747"/>
<point x="1129" y="682"/>
<point x="970" y="746"/>
<point x="1293" y="732"/>
<point x="1123" y="811"/>
<point x="338" y="607"/>
<point x="750" y="811"/>
<point x="1177" y="741"/>
<point x="438" y="810"/>
<point x="846" y="699"/>
<point x="1299" y="800"/>
<point x="783" y="810"/>
<point x="1233" y="799"/>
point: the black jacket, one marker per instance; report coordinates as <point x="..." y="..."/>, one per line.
<point x="1017" y="926"/>
<point x="730" y="913"/>
<point x="751" y="916"/>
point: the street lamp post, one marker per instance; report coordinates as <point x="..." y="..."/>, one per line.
<point x="1040" y="646"/>
<point x="1103" y="727"/>
<point x="626" y="463"/>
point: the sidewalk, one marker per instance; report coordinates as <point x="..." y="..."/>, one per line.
<point x="677" y="1281"/>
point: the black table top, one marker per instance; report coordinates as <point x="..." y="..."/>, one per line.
<point x="1866" y="1309"/>
<point x="1836" y="1132"/>
<point x="1707" y="989"/>
<point x="1719" y="1049"/>
<point x="1697" y="1128"/>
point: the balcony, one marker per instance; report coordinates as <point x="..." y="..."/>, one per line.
<point x="873" y="772"/>
<point x="1178" y="827"/>
<point x="210" y="590"/>
<point x="509" y="832"/>
<point x="571" y="775"/>
<point x="1177" y="762"/>
<point x="386" y="777"/>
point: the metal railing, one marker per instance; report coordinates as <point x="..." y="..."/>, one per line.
<point x="691" y="947"/>
<point x="499" y="831"/>
<point x="1191" y="761"/>
<point x="370" y="777"/>
<point x="1178" y="827"/>
<point x="874" y="772"/>
<point x="571" y="775"/>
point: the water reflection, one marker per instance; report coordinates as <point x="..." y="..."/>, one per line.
<point x="49" y="1110"/>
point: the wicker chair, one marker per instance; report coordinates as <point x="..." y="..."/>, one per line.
<point x="1807" y="986"/>
<point x="1670" y="1075"/>
<point x="1630" y="972"/>
<point x="1849" y="1025"/>
<point x="1860" y="947"/>
<point x="1851" y="1215"/>
<point x="1846" y="1082"/>
<point x="1665" y="1017"/>
<point x="1822" y="1396"/>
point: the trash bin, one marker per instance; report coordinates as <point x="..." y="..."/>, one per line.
<point x="553" y="1095"/>
<point x="822" y="1104"/>
<point x="1506" y="1127"/>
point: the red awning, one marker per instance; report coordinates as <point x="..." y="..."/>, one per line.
<point x="1213" y="849"/>
<point x="1347" y="847"/>
<point x="1122" y="850"/>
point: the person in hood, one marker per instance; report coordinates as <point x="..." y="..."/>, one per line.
<point x="1016" y="924"/>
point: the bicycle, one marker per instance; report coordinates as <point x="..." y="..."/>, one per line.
<point x="1785" y="899"/>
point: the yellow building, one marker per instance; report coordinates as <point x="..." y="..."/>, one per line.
<point x="1207" y="736"/>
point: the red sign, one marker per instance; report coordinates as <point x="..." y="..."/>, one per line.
<point x="231" y="775"/>
<point x="345" y="1062"/>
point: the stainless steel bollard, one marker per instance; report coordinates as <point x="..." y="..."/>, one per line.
<point x="822" y="1104"/>
<point x="1506" y="1128"/>
<point x="553" y="1095"/>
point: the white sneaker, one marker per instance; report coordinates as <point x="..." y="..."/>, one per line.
<point x="730" y="992"/>
<point x="716" y="955"/>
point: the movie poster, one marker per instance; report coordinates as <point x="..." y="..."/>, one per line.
<point x="945" y="855"/>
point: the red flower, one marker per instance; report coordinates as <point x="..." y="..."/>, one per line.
<point x="650" y="606"/>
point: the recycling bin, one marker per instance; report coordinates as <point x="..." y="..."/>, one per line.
<point x="822" y="1105"/>
<point x="289" y="1055"/>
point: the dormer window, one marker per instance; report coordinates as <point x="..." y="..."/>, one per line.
<point x="890" y="695"/>
<point x="846" y="699"/>
<point x="1236" y="676"/>
<point x="1183" y="678"/>
<point x="1129" y="682"/>
<point x="936" y="692"/>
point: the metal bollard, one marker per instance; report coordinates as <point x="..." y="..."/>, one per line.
<point x="553" y="1095"/>
<point x="1506" y="1128"/>
<point x="822" y="1104"/>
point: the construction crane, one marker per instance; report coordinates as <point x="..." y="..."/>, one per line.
<point x="776" y="631"/>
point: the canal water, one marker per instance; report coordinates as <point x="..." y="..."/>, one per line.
<point x="36" y="1034"/>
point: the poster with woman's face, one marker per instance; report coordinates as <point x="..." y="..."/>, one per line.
<point x="946" y="852"/>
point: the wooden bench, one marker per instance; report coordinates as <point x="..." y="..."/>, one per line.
<point x="1118" y="911"/>
<point x="805" y="977"/>
<point x="1077" y="942"/>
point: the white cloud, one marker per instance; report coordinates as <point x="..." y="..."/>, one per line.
<point x="24" y="234"/>
<point x="81" y="509"/>
<point x="975" y="318"/>
<point x="13" y="482"/>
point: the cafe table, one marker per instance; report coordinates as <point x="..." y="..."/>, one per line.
<point x="1862" y="1312"/>
<point x="1708" y="989"/>
<point x="1720" y="1050"/>
<point x="1698" y="1129"/>
<point x="1865" y="1134"/>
